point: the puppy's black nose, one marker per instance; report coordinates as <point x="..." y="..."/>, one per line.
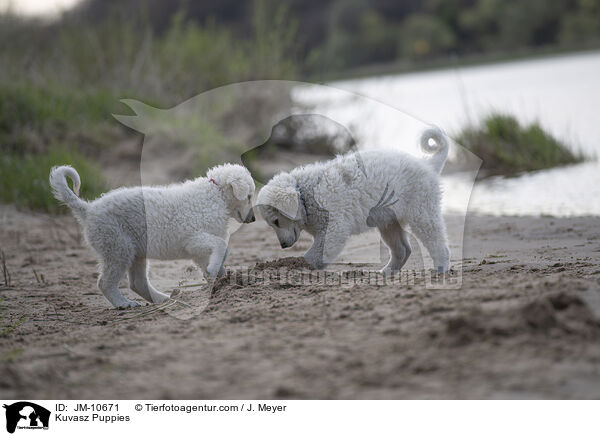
<point x="250" y="218"/>
<point x="284" y="245"/>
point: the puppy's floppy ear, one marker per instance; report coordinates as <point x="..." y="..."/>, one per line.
<point x="285" y="200"/>
<point x="240" y="189"/>
<point x="289" y="202"/>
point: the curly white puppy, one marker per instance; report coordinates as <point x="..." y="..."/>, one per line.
<point x="189" y="220"/>
<point x="386" y="189"/>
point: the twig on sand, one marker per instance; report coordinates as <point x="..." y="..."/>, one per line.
<point x="326" y="316"/>
<point x="5" y="272"/>
<point x="192" y="285"/>
<point x="40" y="278"/>
<point x="50" y="319"/>
<point x="177" y="293"/>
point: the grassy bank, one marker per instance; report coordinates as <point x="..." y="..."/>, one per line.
<point x="60" y="83"/>
<point x="24" y="180"/>
<point x="45" y="126"/>
<point x="507" y="147"/>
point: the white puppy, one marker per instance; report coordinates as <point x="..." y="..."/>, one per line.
<point x="180" y="221"/>
<point x="386" y="189"/>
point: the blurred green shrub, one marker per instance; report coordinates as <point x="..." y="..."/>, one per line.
<point x="507" y="148"/>
<point x="24" y="179"/>
<point x="425" y="35"/>
<point x="581" y="23"/>
<point x="60" y="82"/>
<point x="123" y="55"/>
<point x="31" y="116"/>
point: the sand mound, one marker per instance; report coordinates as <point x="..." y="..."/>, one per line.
<point x="263" y="272"/>
<point x="285" y="262"/>
<point x="556" y="314"/>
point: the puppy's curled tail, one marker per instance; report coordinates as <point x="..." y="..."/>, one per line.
<point x="62" y="192"/>
<point x="439" y="150"/>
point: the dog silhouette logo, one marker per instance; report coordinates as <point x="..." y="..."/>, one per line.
<point x="274" y="127"/>
<point x="26" y="415"/>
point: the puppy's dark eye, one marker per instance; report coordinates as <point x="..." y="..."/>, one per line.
<point x="249" y="196"/>
<point x="276" y="223"/>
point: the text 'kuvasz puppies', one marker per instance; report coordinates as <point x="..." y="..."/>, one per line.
<point x="188" y="220"/>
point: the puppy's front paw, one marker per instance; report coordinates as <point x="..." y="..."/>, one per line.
<point x="443" y="269"/>
<point x="213" y="271"/>
<point x="387" y="271"/>
<point x="158" y="297"/>
<point x="128" y="304"/>
<point x="313" y="262"/>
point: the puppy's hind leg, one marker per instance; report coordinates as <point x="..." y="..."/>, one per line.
<point x="138" y="282"/>
<point x="397" y="241"/>
<point x="108" y="282"/>
<point x="432" y="233"/>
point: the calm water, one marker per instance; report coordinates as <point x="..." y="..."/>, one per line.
<point x="562" y="93"/>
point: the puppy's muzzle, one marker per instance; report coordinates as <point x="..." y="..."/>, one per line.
<point x="250" y="218"/>
<point x="287" y="244"/>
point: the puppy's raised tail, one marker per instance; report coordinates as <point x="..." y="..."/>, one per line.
<point x="62" y="192"/>
<point x="439" y="149"/>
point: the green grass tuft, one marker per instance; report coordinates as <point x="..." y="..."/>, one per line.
<point x="24" y="180"/>
<point x="8" y="326"/>
<point x="508" y="148"/>
<point x="33" y="116"/>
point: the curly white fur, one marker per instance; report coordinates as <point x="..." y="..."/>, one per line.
<point x="333" y="200"/>
<point x="188" y="220"/>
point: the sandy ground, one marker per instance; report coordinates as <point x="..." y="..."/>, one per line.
<point x="524" y="324"/>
